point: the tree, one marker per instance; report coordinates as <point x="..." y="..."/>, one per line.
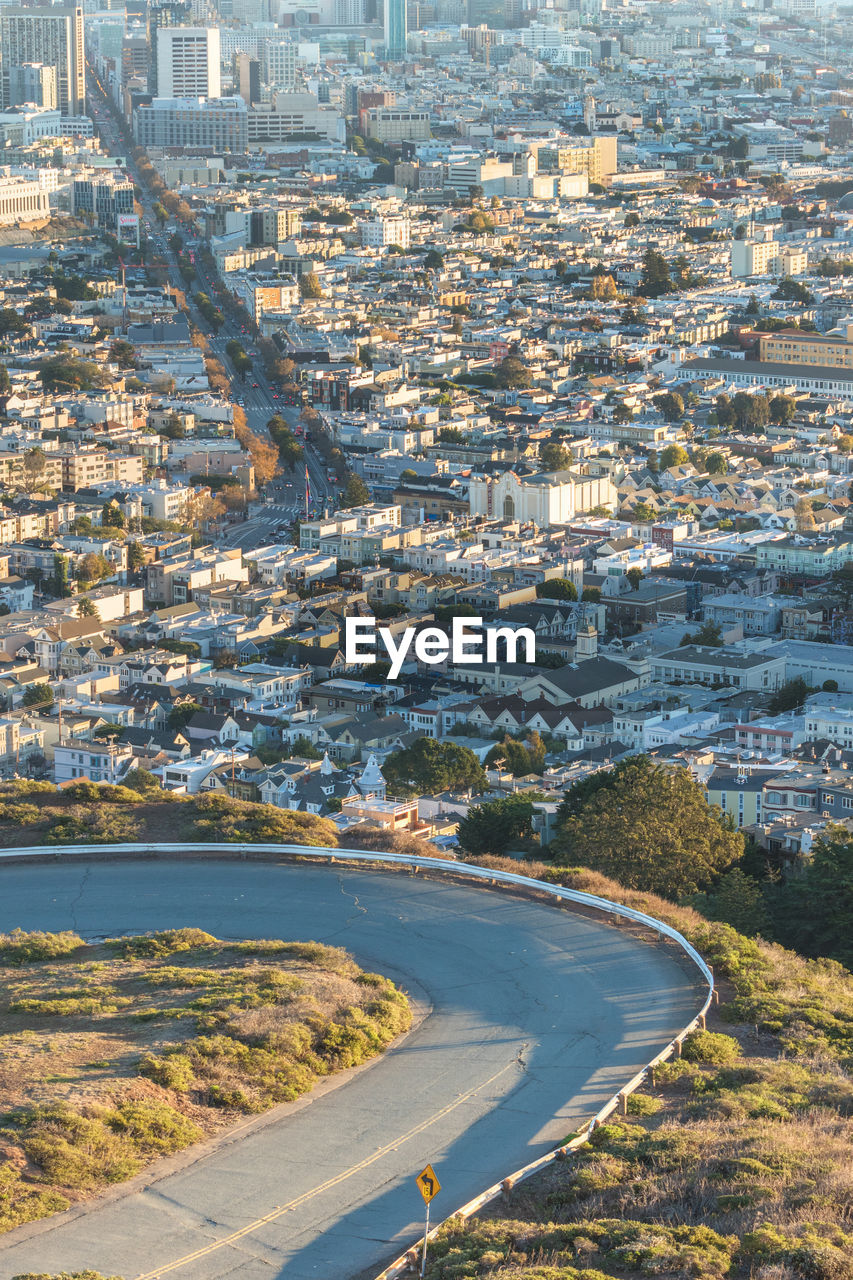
<point x="622" y="413"/>
<point x="135" y="556"/>
<point x="93" y="567"/>
<point x="672" y="456"/>
<point x="33" y="466"/>
<point x="655" y="278"/>
<point x="180" y="716"/>
<point x="671" y="406"/>
<point x="631" y="220"/>
<point x="724" y="411"/>
<point x="519" y="758"/>
<point x="716" y="464"/>
<point x="433" y="261"/>
<point x="648" y="826"/>
<point x="814" y="911"/>
<point x="66" y="373"/>
<point x="356" y="493"/>
<point x="512" y="373"/>
<point x="87" y="608"/>
<point x="112" y="516"/>
<point x="604" y="288"/>
<point x="635" y="577"/>
<point x="5" y="381"/>
<point x="429" y="766"/>
<point x="141" y="780"/>
<point x="788" y="696"/>
<point x="556" y="589"/>
<point x="123" y="354"/>
<point x="782" y="409"/>
<point x="643" y="513"/>
<point x="790" y="290"/>
<point x="737" y="900"/>
<point x="592" y="595"/>
<point x="495" y="826"/>
<point x="804" y="516"/>
<point x="555" y="456"/>
<point x="751" y="413"/>
<point x="61" y="580"/>
<point x="38" y="695"/>
<point x="708" y="635"/>
<point x="309" y="286"/>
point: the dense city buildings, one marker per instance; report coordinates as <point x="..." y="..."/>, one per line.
<point x="323" y="312"/>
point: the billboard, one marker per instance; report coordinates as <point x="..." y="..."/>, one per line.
<point x="127" y="228"/>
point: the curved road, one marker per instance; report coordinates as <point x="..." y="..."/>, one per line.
<point x="537" y="1016"/>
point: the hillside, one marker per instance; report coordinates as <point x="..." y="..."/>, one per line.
<point x="735" y="1162"/>
<point x="114" y="1054"/>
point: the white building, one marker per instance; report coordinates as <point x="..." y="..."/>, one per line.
<point x="378" y="233"/>
<point x="550" y="498"/>
<point x="22" y="201"/>
<point x="97" y="761"/>
<point x="188" y="62"/>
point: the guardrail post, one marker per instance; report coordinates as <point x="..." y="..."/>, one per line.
<point x="678" y="1047"/>
<point x="623" y="1103"/>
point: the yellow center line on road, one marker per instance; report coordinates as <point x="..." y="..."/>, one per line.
<point x="326" y="1186"/>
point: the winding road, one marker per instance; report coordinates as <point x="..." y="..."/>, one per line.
<point x="534" y="1017"/>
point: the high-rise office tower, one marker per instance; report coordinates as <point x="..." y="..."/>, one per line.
<point x="188" y="62"/>
<point x="396" y="30"/>
<point x="247" y="78"/>
<point x="171" y="13"/>
<point x="33" y="82"/>
<point x="53" y="36"/>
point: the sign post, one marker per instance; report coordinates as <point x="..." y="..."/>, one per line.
<point x="429" y="1186"/>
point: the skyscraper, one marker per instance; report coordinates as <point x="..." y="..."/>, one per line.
<point x="396" y="30"/>
<point x="171" y="13"/>
<point x="33" y="82"/>
<point x="53" y="36"/>
<point x="188" y="62"/>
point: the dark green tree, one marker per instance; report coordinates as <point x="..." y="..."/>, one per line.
<point x="788" y="697"/>
<point x="557" y="589"/>
<point x="496" y="826"/>
<point x="429" y="766"/>
<point x="356" y="493"/>
<point x="648" y="826"/>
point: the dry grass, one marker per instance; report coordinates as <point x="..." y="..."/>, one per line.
<point x="738" y="1163"/>
<point x="112" y="1055"/>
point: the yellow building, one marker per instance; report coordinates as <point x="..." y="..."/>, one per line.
<point x="596" y="158"/>
<point x="793" y="346"/>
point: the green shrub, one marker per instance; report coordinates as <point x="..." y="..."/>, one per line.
<point x="640" y="1104"/>
<point x="72" y="1003"/>
<point x="711" y="1047"/>
<point x="22" y="1202"/>
<point x="167" y="943"/>
<point x="19" y="947"/>
<point x="94" y="826"/>
<point x="20" y="815"/>
<point x="154" y="1128"/>
<point x="26" y="787"/>
<point x="64" y="1275"/>
<point x="73" y="1149"/>
<point x="172" y="1071"/>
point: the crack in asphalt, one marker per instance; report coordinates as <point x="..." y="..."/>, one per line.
<point x="72" y="906"/>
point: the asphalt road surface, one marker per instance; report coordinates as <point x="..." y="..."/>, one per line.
<point x="535" y="1017"/>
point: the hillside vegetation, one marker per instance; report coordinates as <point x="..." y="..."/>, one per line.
<point x="33" y="813"/>
<point x="735" y="1162"/>
<point x="112" y="1055"/>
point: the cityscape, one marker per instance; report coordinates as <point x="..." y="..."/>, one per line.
<point x="426" y="639"/>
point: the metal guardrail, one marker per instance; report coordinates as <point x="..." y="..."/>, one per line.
<point x="407" y="1263"/>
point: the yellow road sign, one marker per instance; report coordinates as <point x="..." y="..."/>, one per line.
<point x="428" y="1183"/>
